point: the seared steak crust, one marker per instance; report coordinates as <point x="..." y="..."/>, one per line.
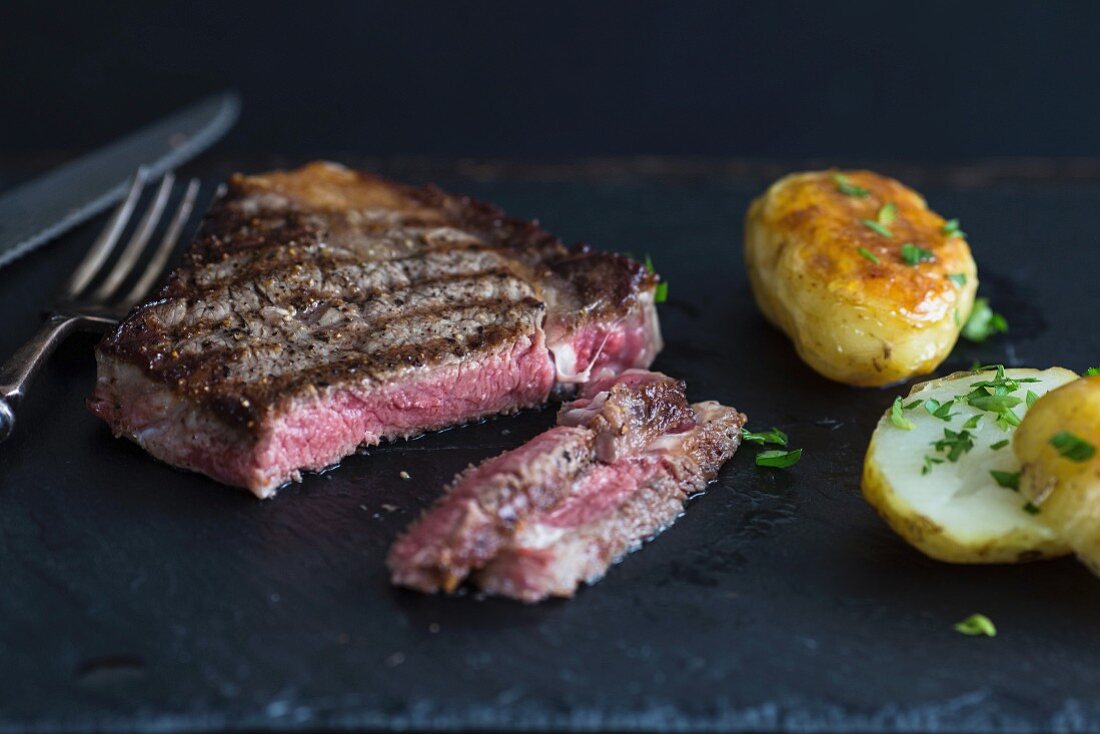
<point x="308" y="283"/>
<point x="628" y="411"/>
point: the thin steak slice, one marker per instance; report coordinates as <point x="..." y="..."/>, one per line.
<point x="539" y="520"/>
<point x="323" y="309"/>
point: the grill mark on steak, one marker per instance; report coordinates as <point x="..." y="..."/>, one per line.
<point x="310" y="284"/>
<point x="255" y="374"/>
<point x="284" y="262"/>
<point x="302" y="319"/>
<point x="540" y="519"/>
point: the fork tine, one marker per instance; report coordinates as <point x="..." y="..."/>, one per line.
<point x="108" y="238"/>
<point x="138" y="240"/>
<point x="171" y="236"/>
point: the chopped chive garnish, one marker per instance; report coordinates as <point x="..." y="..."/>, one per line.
<point x="1006" y="479"/>
<point x="649" y="263"/>
<point x="660" y="294"/>
<point x="913" y="255"/>
<point x="983" y="322"/>
<point x="1031" y="398"/>
<point x="1092" y="371"/>
<point x="1071" y="447"/>
<point x="877" y="227"/>
<point x="958" y="279"/>
<point x="951" y="229"/>
<point x="845" y="186"/>
<point x="976" y="625"/>
<point x="778" y="459"/>
<point x="974" y="422"/>
<point x="898" y="418"/>
<point x="999" y="445"/>
<point x="887" y="213"/>
<point x="774" y="436"/>
<point x="912" y="404"/>
<point x="864" y="252"/>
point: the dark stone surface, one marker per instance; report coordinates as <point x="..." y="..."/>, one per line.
<point x="135" y="596"/>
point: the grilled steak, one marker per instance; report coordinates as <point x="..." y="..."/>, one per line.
<point x="539" y="520"/>
<point x="322" y="309"/>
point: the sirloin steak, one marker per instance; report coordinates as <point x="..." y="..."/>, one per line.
<point x="322" y="309"/>
<point x="541" y="519"/>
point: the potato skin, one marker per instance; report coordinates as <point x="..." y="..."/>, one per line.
<point x="853" y="320"/>
<point x="1067" y="492"/>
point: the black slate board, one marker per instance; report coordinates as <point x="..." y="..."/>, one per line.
<point x="134" y="596"/>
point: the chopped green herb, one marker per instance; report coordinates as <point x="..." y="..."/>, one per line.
<point x="974" y="421"/>
<point x="887" y="213"/>
<point x="1031" y="398"/>
<point x="898" y="418"/>
<point x="958" y="279"/>
<point x="1031" y="509"/>
<point x="999" y="445"/>
<point x="869" y="255"/>
<point x="954" y="443"/>
<point x="1092" y="371"/>
<point x="877" y="227"/>
<point x="845" y="186"/>
<point x="774" y="436"/>
<point x="649" y="263"/>
<point x="1001" y="384"/>
<point x="928" y="462"/>
<point x="976" y="625"/>
<point x="913" y="255"/>
<point x="951" y="229"/>
<point x="1006" y="479"/>
<point x="1071" y="447"/>
<point x="939" y="410"/>
<point x="983" y="322"/>
<point x="778" y="459"/>
<point x="912" y="404"/>
<point x="1007" y="419"/>
<point x="994" y="403"/>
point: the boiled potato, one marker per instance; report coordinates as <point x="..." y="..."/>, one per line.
<point x="1057" y="446"/>
<point x="955" y="510"/>
<point x="826" y="256"/>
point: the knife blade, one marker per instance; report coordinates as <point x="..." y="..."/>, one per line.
<point x="38" y="211"/>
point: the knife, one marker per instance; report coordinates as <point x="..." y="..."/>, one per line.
<point x="38" y="211"/>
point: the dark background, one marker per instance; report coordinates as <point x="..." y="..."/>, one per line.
<point x="134" y="597"/>
<point x="933" y="81"/>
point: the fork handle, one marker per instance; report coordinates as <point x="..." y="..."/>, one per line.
<point x="17" y="372"/>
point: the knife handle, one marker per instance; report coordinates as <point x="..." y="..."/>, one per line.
<point x="17" y="372"/>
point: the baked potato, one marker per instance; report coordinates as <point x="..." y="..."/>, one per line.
<point x="871" y="285"/>
<point x="1056" y="446"/>
<point x="947" y="496"/>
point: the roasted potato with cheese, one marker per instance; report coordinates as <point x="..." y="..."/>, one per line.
<point x="871" y="285"/>
<point x="1058" y="447"/>
<point x="939" y="471"/>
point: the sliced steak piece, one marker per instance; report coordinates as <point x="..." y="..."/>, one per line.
<point x="323" y="309"/>
<point x="539" y="520"/>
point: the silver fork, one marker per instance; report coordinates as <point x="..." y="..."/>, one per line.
<point x="81" y="307"/>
